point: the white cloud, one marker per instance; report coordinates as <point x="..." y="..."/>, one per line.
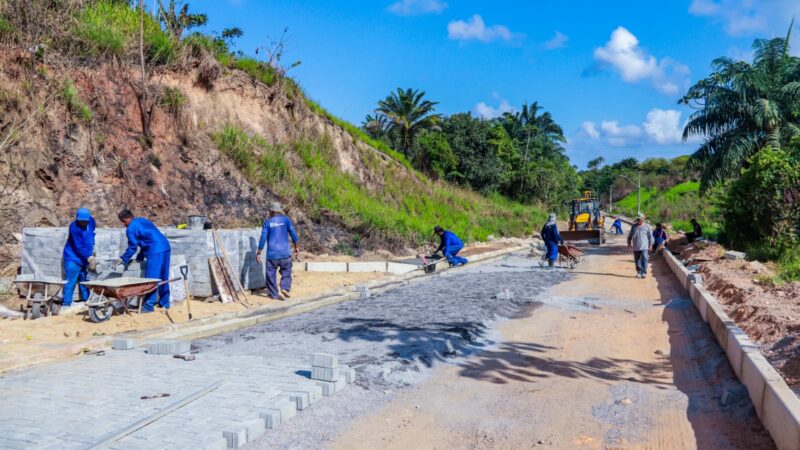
<point x="660" y="127"/>
<point x="559" y="40"/>
<point x="623" y="54"/>
<point x="590" y="128"/>
<point x="664" y="126"/>
<point x="486" y="111"/>
<point x="748" y="17"/>
<point x="417" y="7"/>
<point x="476" y="29"/>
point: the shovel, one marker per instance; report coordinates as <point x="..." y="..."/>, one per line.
<point x="185" y="274"/>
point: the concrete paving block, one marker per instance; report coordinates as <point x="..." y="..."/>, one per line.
<point x="734" y="255"/>
<point x="400" y="268"/>
<point x="123" y="344"/>
<point x="168" y="347"/>
<point x="235" y="438"/>
<point x="378" y="266"/>
<point x="272" y="418"/>
<point x="215" y="444"/>
<point x="314" y="391"/>
<point x="328" y="387"/>
<point x="287" y="407"/>
<point x="782" y="415"/>
<point x="738" y="344"/>
<point x="324" y="373"/>
<point x="326" y="266"/>
<point x="324" y="360"/>
<point x="255" y="429"/>
<point x="757" y="372"/>
<point x="302" y="399"/>
<point x="349" y="374"/>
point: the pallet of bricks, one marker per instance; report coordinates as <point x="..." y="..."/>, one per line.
<point x="329" y="374"/>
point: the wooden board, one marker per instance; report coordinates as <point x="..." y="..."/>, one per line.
<point x="218" y="277"/>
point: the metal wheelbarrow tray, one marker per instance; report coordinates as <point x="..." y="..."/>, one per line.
<point x="119" y="293"/>
<point x="572" y="254"/>
<point x="40" y="294"/>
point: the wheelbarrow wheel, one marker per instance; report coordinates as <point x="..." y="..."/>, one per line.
<point x="101" y="313"/>
<point x="573" y="263"/>
<point x="35" y="311"/>
<point x="55" y="308"/>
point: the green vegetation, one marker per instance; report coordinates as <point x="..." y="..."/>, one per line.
<point x="406" y="208"/>
<point x="111" y="28"/>
<point x="76" y="106"/>
<point x="7" y="29"/>
<point x="172" y="99"/>
<point x="675" y="206"/>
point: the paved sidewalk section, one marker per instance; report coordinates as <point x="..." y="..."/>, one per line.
<point x="77" y="404"/>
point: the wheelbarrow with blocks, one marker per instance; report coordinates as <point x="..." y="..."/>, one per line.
<point x="40" y="294"/>
<point x="124" y="294"/>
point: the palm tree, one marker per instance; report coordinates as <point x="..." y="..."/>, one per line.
<point x="408" y="113"/>
<point x="375" y="126"/>
<point x="175" y="21"/>
<point x="742" y="108"/>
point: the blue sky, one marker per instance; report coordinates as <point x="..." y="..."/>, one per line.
<point x="610" y="72"/>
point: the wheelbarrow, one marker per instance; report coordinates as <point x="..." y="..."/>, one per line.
<point x="573" y="255"/>
<point x="125" y="294"/>
<point x="40" y="295"/>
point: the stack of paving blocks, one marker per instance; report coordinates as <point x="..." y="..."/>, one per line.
<point x="329" y="374"/>
<point x="168" y="347"/>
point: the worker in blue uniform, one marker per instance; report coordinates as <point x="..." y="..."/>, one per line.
<point x="153" y="247"/>
<point x="77" y="255"/>
<point x="617" y="226"/>
<point x="275" y="235"/>
<point x="450" y="245"/>
<point x="551" y="239"/>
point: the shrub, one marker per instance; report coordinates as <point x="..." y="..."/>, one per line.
<point x="154" y="160"/>
<point x="7" y="29"/>
<point x="258" y="70"/>
<point x="76" y="106"/>
<point x="110" y="28"/>
<point x="173" y="100"/>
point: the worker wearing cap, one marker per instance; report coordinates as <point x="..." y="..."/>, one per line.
<point x="551" y="238"/>
<point x="153" y="247"/>
<point x="275" y="235"/>
<point x="640" y="239"/>
<point x="450" y="245"/>
<point x="77" y="255"/>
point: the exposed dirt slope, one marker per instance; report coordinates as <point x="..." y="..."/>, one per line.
<point x="60" y="162"/>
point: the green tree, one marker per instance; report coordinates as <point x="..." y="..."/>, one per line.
<point x="742" y="108"/>
<point x="176" y="18"/>
<point x="408" y="113"/>
<point x="595" y="163"/>
<point x="435" y="156"/>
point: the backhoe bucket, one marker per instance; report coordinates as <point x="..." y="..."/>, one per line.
<point x="595" y="237"/>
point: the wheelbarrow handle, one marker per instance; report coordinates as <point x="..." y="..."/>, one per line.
<point x="172" y="280"/>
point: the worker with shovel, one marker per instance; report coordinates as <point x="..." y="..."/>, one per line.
<point x="77" y="255"/>
<point x="450" y="245"/>
<point x="154" y="247"/>
<point x="275" y="235"/>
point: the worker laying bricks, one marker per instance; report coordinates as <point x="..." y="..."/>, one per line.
<point x="275" y="234"/>
<point x="154" y="247"/>
<point x="78" y="255"/>
<point x="450" y="245"/>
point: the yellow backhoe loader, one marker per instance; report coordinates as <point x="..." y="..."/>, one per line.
<point x="586" y="222"/>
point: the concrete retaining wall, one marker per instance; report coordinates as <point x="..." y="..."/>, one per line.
<point x="42" y="248"/>
<point x="776" y="404"/>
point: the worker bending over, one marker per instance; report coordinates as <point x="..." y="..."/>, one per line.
<point x="275" y="234"/>
<point x="154" y="247"/>
<point x="551" y="238"/>
<point x="78" y="257"/>
<point x="450" y="245"/>
<point x="617" y="226"/>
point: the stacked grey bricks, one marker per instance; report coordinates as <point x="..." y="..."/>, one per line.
<point x="42" y="249"/>
<point x="329" y="374"/>
<point x="123" y="344"/>
<point x="168" y="347"/>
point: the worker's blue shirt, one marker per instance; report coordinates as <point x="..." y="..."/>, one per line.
<point x="618" y="223"/>
<point x="144" y="234"/>
<point x="275" y="234"/>
<point x="550" y="234"/>
<point x="450" y="243"/>
<point x="80" y="243"/>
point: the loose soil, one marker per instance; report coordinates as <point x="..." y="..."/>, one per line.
<point x="769" y="314"/>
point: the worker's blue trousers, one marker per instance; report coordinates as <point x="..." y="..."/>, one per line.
<point x="157" y="267"/>
<point x="285" y="266"/>
<point x="618" y="229"/>
<point x="75" y="273"/>
<point x="453" y="259"/>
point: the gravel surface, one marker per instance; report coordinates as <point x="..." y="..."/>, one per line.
<point x="393" y="339"/>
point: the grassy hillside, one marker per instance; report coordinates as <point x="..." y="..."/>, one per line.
<point x="676" y="205"/>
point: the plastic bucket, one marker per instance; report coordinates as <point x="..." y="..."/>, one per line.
<point x="196" y="222"/>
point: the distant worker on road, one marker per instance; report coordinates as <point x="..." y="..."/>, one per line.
<point x="154" y="247"/>
<point x="450" y="245"/>
<point x="551" y="239"/>
<point x="696" y="233"/>
<point x="659" y="237"/>
<point x="77" y="255"/>
<point x="275" y="235"/>
<point x="617" y="226"/>
<point x="640" y="239"/>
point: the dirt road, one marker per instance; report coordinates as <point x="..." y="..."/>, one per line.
<point x="607" y="361"/>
